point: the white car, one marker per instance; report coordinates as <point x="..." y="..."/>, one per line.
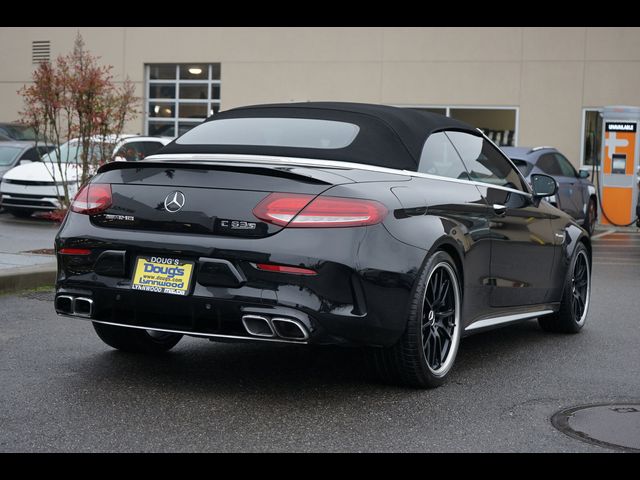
<point x="33" y="186"/>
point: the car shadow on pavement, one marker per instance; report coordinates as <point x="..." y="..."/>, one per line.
<point x="198" y="366"/>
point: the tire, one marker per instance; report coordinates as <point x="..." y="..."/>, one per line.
<point x="19" y="212"/>
<point x="576" y="295"/>
<point x="589" y="223"/>
<point x="424" y="356"/>
<point x="136" y="340"/>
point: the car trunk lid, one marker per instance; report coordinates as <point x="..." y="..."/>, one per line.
<point x="202" y="198"/>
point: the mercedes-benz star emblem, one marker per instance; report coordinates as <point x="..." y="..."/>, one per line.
<point x="174" y="201"/>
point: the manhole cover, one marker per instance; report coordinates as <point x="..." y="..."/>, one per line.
<point x="609" y="425"/>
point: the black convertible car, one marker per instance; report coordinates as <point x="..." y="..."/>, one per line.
<point x="322" y="223"/>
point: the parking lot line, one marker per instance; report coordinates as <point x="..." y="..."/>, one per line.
<point x="600" y="235"/>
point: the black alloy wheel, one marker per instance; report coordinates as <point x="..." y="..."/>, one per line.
<point x="439" y="318"/>
<point x="574" y="307"/>
<point x="425" y="353"/>
<point x="580" y="288"/>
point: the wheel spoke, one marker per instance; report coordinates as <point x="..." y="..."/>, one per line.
<point x="580" y="301"/>
<point x="435" y="287"/>
<point x="580" y="270"/>
<point x="432" y="349"/>
<point x="578" y="305"/>
<point x="429" y="304"/>
<point x="445" y="313"/>
<point x="430" y="299"/>
<point x="427" y="348"/>
<point x="443" y="291"/>
<point x="436" y="351"/>
<point x="445" y="332"/>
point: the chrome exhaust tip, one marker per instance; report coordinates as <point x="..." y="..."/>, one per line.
<point x="290" y="329"/>
<point x="257" y="326"/>
<point x="82" y="307"/>
<point x="64" y="304"/>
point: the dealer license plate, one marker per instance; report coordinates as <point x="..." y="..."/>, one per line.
<point x="162" y="275"/>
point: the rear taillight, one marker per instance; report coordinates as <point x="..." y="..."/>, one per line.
<point x="92" y="198"/>
<point x="280" y="208"/>
<point x="302" y="211"/>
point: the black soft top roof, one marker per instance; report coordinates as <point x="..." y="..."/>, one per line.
<point x="389" y="136"/>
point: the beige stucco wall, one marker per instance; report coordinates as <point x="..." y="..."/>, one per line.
<point x="551" y="74"/>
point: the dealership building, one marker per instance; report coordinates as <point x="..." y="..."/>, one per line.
<point x="522" y="86"/>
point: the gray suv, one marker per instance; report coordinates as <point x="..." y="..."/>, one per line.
<point x="576" y="194"/>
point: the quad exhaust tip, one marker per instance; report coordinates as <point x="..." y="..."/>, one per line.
<point x="258" y="326"/>
<point x="79" y="306"/>
<point x="289" y="329"/>
<point x="64" y="304"/>
<point x="285" y="328"/>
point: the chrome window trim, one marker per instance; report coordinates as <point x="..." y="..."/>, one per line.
<point x="490" y="322"/>
<point x="310" y="162"/>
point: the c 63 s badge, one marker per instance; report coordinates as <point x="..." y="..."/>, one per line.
<point x="238" y="227"/>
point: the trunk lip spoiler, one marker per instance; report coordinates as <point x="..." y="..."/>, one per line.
<point x="267" y="160"/>
<point x="327" y="178"/>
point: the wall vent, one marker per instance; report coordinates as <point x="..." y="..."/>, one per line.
<point x="40" y="51"/>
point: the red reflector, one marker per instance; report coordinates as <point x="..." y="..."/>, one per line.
<point x="92" y="198"/>
<point x="297" y="210"/>
<point x="285" y="269"/>
<point x="74" y="251"/>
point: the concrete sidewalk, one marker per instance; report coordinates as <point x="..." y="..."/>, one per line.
<point x="22" y="264"/>
<point x="21" y="278"/>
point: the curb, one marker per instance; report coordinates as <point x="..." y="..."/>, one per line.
<point x="22" y="278"/>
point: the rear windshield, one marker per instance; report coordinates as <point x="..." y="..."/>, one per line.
<point x="273" y="132"/>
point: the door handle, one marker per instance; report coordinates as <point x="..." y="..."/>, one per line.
<point x="499" y="210"/>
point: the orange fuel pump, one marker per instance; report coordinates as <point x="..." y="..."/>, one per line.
<point x="618" y="177"/>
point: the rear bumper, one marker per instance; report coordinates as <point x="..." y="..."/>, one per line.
<point x="359" y="296"/>
<point x="197" y="316"/>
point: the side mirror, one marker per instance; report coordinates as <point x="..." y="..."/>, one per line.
<point x="583" y="174"/>
<point x="24" y="161"/>
<point x="543" y="185"/>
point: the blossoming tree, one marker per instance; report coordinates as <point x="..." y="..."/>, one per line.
<point x="76" y="98"/>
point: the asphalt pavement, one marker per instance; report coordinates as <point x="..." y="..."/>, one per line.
<point x="64" y="390"/>
<point x="19" y="238"/>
